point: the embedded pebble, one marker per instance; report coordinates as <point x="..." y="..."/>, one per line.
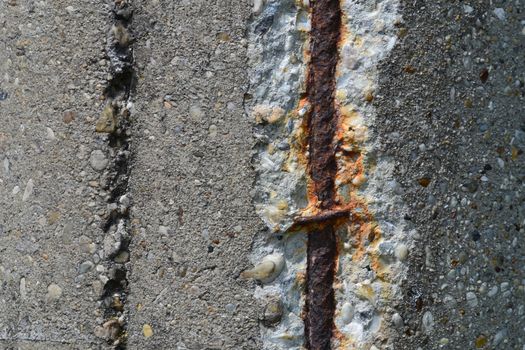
<point x="30" y="186"/>
<point x="50" y="134"/>
<point x="481" y="341"/>
<point x="122" y="257"/>
<point x="86" y="245"/>
<point x="493" y="291"/>
<point x="500" y="13"/>
<point x="472" y="299"/>
<point x="401" y="251"/>
<point x="267" y="270"/>
<point x="468" y="9"/>
<point x="97" y="287"/>
<point x="347" y="312"/>
<point x="498" y="338"/>
<point x="147" y="330"/>
<point x="196" y="113"/>
<point x="443" y="341"/>
<point x="107" y="121"/>
<point x="109" y="330"/>
<point x="98" y="160"/>
<point x="85" y="267"/>
<point x="23" y="290"/>
<point x="212" y="131"/>
<point x="257" y="6"/>
<point x="428" y="257"/>
<point x="397" y="320"/>
<point x="428" y="322"/>
<point x="230" y="308"/>
<point x="54" y="292"/>
<point x="449" y="301"/>
<point x="6" y="165"/>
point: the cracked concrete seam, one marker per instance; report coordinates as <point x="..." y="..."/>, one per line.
<point x="114" y="123"/>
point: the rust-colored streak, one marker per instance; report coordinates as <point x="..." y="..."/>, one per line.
<point x="321" y="126"/>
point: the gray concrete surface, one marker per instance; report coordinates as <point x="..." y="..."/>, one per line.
<point x="457" y="135"/>
<point x="52" y="74"/>
<point x="450" y="116"/>
<point x="191" y="179"/>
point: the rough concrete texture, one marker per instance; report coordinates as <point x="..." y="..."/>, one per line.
<point x="451" y="115"/>
<point x="446" y="132"/>
<point x="191" y="179"/>
<point x="52" y="74"/>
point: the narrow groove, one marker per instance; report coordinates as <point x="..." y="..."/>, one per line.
<point x="321" y="124"/>
<point x="115" y="123"/>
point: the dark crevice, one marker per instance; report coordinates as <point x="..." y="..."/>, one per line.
<point x="321" y="125"/>
<point x="115" y="123"/>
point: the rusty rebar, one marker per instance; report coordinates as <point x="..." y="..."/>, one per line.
<point x="321" y="124"/>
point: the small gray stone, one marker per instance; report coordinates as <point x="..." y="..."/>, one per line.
<point x="449" y="301"/>
<point x="196" y="113"/>
<point x="54" y="292"/>
<point x="85" y="267"/>
<point x="498" y="338"/>
<point x="273" y="312"/>
<point x="23" y="290"/>
<point x="397" y="320"/>
<point x="493" y="291"/>
<point x="98" y="160"/>
<point x="472" y="299"/>
<point x="500" y="13"/>
<point x="29" y="190"/>
<point x="470" y="186"/>
<point x="401" y="251"/>
<point x="347" y="313"/>
<point x="428" y="322"/>
<point x="230" y="308"/>
<point x="122" y="257"/>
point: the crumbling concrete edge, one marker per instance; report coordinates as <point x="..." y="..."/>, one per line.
<point x="373" y="247"/>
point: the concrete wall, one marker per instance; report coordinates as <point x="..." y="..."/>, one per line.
<point x="143" y="237"/>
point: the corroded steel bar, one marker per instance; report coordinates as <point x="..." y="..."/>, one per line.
<point x="321" y="124"/>
<point x="325" y="216"/>
<point x="322" y="119"/>
<point x="320" y="302"/>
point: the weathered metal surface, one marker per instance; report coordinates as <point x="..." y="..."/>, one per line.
<point x="321" y="125"/>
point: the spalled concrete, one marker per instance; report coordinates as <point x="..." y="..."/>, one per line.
<point x="439" y="90"/>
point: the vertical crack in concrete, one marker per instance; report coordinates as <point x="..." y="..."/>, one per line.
<point x="321" y="124"/>
<point x="114" y="122"/>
